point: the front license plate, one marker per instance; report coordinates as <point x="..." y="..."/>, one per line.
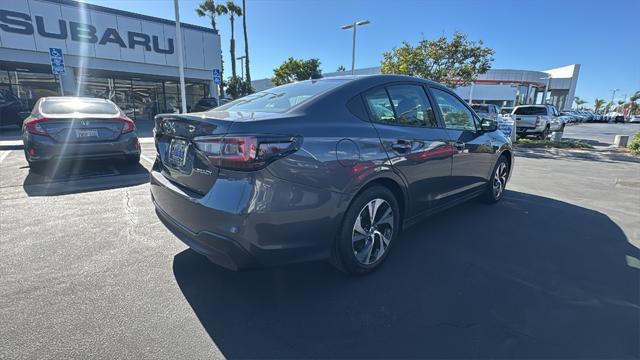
<point x="178" y="152"/>
<point x="86" y="133"/>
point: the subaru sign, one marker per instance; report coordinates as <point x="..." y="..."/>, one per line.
<point x="57" y="61"/>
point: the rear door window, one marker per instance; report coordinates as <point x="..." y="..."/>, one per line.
<point x="412" y="106"/>
<point x="379" y="105"/>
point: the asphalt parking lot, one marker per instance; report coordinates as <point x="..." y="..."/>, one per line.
<point x="553" y="271"/>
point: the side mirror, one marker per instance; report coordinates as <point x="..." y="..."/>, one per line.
<point x="488" y="125"/>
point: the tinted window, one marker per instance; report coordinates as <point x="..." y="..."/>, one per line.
<point x="531" y="110"/>
<point x="411" y="106"/>
<point x="455" y="114"/>
<point x="480" y="108"/>
<point x="84" y="106"/>
<point x="379" y="106"/>
<point x="281" y="98"/>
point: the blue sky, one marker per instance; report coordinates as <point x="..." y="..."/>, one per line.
<point x="602" y="36"/>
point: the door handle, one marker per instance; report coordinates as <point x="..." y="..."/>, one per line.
<point x="402" y="146"/>
<point x="459" y="145"/>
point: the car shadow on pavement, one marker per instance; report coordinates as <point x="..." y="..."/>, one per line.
<point x="68" y="177"/>
<point x="528" y="277"/>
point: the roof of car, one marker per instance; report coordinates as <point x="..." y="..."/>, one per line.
<point x="74" y="98"/>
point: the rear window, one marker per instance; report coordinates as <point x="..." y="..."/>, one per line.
<point x="480" y="108"/>
<point x="531" y="110"/>
<point x="67" y="106"/>
<point x="281" y="98"/>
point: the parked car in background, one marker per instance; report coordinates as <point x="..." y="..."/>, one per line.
<point x="78" y="127"/>
<point x="634" y="119"/>
<point x="538" y="120"/>
<point x="315" y="170"/>
<point x="205" y="104"/>
<point x="506" y="111"/>
<point x="489" y="111"/>
<point x="12" y="110"/>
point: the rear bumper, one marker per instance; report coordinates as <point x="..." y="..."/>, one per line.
<point x="530" y="130"/>
<point x="45" y="148"/>
<point x="250" y="220"/>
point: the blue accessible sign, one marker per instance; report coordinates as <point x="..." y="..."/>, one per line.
<point x="57" y="61"/>
<point x="217" y="76"/>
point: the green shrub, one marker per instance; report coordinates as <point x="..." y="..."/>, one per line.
<point x="634" y="147"/>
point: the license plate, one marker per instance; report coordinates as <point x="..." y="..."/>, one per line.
<point x="86" y="133"/>
<point x="178" y="152"/>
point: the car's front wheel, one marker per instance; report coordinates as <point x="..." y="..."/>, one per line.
<point x="370" y="226"/>
<point x="497" y="183"/>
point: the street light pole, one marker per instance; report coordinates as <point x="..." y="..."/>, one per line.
<point x="241" y="58"/>
<point x="353" y="45"/>
<point x="613" y="94"/>
<point x="183" y="95"/>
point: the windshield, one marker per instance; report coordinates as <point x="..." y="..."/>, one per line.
<point x="84" y="106"/>
<point x="282" y="98"/>
<point x="531" y="110"/>
<point x="480" y="108"/>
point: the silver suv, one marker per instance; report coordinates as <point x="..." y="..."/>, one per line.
<point x="539" y="120"/>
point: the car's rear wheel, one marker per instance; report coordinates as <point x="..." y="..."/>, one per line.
<point x="497" y="183"/>
<point x="544" y="134"/>
<point x="370" y="226"/>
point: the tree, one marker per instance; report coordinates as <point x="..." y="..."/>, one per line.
<point x="607" y="107"/>
<point x="234" y="10"/>
<point x="210" y="9"/>
<point x="341" y="68"/>
<point x="579" y="102"/>
<point x="237" y="87"/>
<point x="597" y="104"/>
<point x="296" y="70"/>
<point x="246" y="46"/>
<point x="634" y="102"/>
<point x="454" y="63"/>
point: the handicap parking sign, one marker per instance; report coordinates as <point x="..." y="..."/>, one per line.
<point x="57" y="61"/>
<point x="217" y="77"/>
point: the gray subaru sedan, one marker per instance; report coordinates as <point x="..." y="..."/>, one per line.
<point x="78" y="127"/>
<point x="332" y="168"/>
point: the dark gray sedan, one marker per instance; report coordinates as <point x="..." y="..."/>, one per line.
<point x="322" y="169"/>
<point x="78" y="127"/>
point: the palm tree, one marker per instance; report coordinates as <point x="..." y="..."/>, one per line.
<point x="597" y="104"/>
<point x="210" y="9"/>
<point x="234" y="10"/>
<point x="579" y="102"/>
<point x="246" y="45"/>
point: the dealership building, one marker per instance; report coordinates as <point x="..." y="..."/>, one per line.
<point x="126" y="57"/>
<point x="502" y="87"/>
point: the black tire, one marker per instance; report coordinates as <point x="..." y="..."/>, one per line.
<point x="344" y="250"/>
<point x="545" y="133"/>
<point x="490" y="195"/>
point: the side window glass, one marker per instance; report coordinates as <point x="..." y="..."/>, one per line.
<point x="379" y="106"/>
<point x="456" y="115"/>
<point x="412" y="106"/>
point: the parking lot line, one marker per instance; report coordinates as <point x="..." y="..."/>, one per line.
<point x="4" y="154"/>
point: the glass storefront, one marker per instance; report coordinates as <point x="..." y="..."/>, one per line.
<point x="28" y="87"/>
<point x="139" y="98"/>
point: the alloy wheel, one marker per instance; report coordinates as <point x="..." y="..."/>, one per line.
<point x="500" y="179"/>
<point x="372" y="231"/>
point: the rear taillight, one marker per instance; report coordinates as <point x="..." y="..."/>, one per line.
<point x="249" y="152"/>
<point x="34" y="126"/>
<point x="127" y="125"/>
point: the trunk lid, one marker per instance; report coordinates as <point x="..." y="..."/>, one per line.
<point x="180" y="161"/>
<point x="75" y="130"/>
